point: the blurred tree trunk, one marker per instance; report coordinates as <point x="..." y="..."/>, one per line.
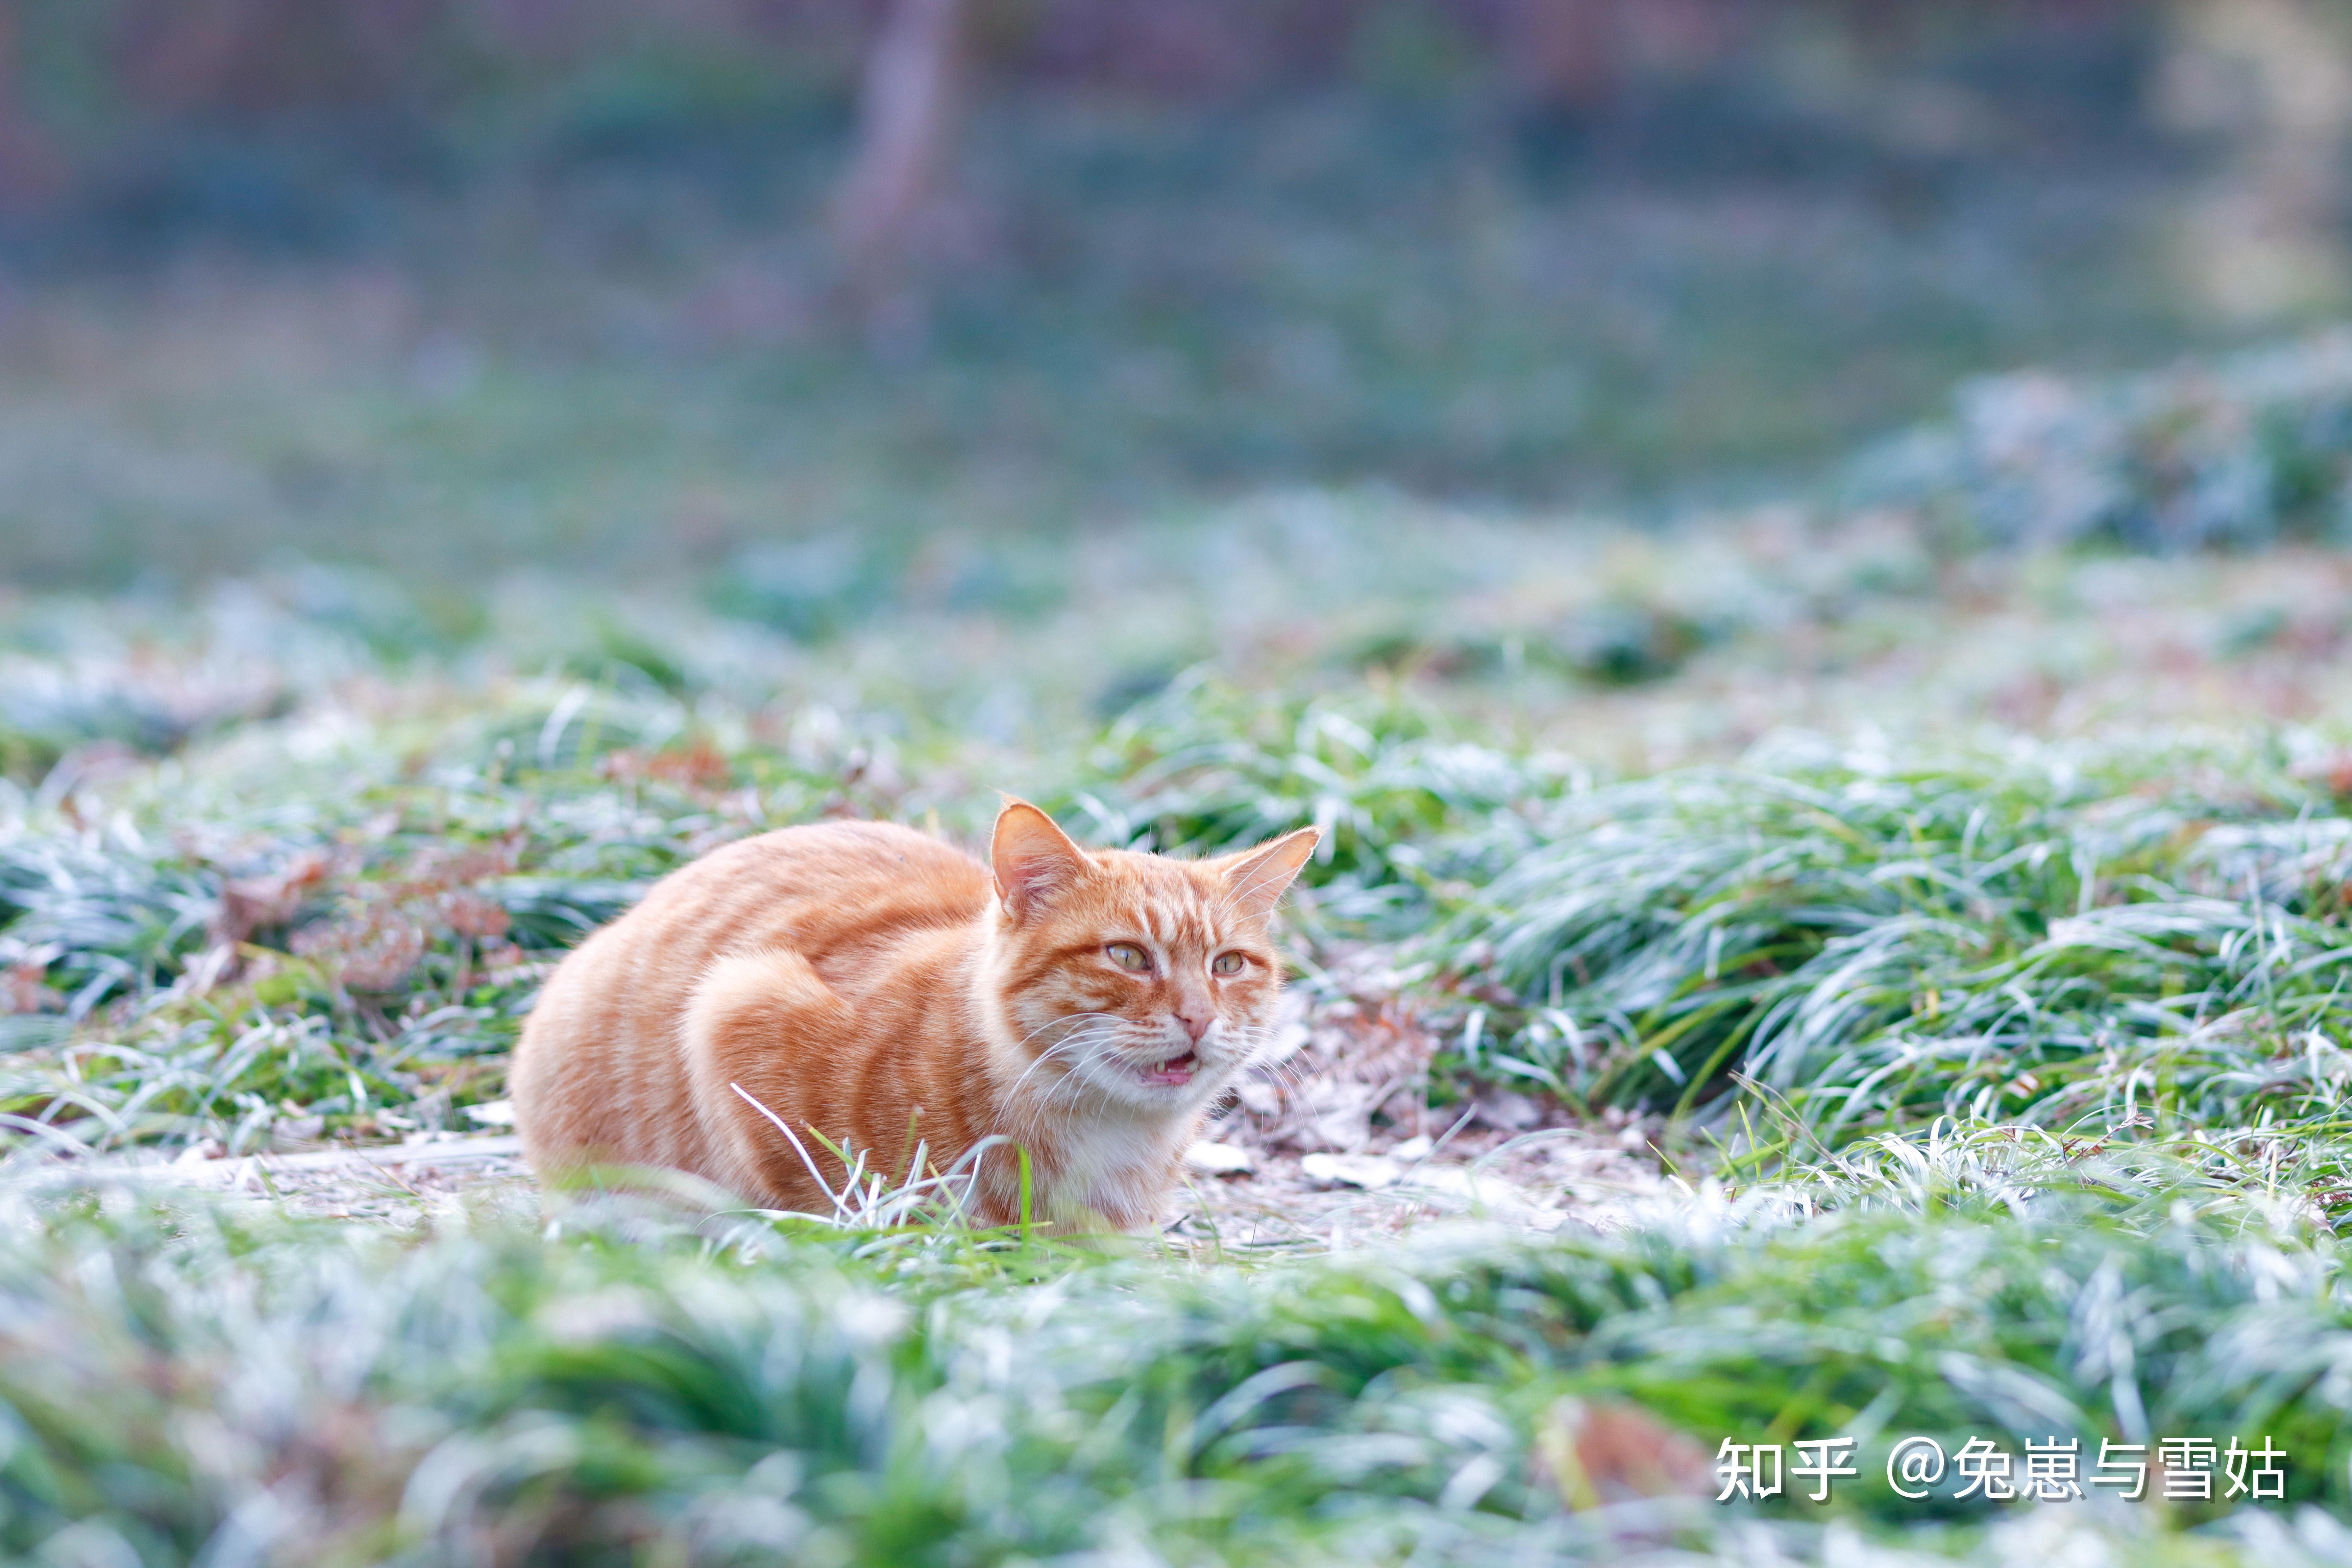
<point x="908" y="117"/>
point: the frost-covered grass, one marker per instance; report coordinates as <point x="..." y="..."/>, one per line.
<point x="635" y="1388"/>
<point x="2242" y="450"/>
<point x="2002" y="1068"/>
<point x="2107" y="969"/>
<point x="2121" y="942"/>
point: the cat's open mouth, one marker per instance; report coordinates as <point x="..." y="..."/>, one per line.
<point x="1176" y="1070"/>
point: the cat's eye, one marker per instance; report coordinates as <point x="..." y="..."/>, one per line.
<point x="1226" y="964"/>
<point x="1127" y="955"/>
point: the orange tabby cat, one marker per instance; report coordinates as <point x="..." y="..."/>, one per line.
<point x="871" y="985"/>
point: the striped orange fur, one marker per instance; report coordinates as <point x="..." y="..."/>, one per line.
<point x="867" y="983"/>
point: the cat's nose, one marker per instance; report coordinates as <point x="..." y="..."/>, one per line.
<point x="1196" y="1024"/>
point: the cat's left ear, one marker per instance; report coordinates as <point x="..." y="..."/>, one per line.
<point x="1031" y="858"/>
<point x="1257" y="879"/>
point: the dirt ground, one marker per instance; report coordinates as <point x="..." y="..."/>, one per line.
<point x="1333" y="1138"/>
<point x="1283" y="1199"/>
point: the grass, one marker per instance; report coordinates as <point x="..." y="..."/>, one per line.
<point x="2243" y="451"/>
<point x="2139" y="1246"/>
<point x="363" y="945"/>
<point x="1200" y="769"/>
<point x="2050" y="936"/>
<point x="629" y="1388"/>
<point x="2000" y="1062"/>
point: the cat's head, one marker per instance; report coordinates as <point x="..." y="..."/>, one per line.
<point x="1147" y="979"/>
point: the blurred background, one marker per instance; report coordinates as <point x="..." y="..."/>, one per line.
<point x="785" y="303"/>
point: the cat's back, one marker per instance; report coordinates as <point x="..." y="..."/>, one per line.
<point x="601" y="1042"/>
<point x="818" y="889"/>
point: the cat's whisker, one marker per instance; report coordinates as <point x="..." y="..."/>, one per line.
<point x="1075" y="1081"/>
<point x="1072" y="1081"/>
<point x="1288" y="1077"/>
<point x="1078" y="1038"/>
<point x="1035" y="1114"/>
<point x="1062" y="1018"/>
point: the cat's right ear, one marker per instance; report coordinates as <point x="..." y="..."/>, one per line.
<point x="1031" y="858"/>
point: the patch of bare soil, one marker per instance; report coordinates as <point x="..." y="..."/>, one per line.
<point x="1338" y="1137"/>
<point x="1542" y="1181"/>
<point x="398" y="1183"/>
